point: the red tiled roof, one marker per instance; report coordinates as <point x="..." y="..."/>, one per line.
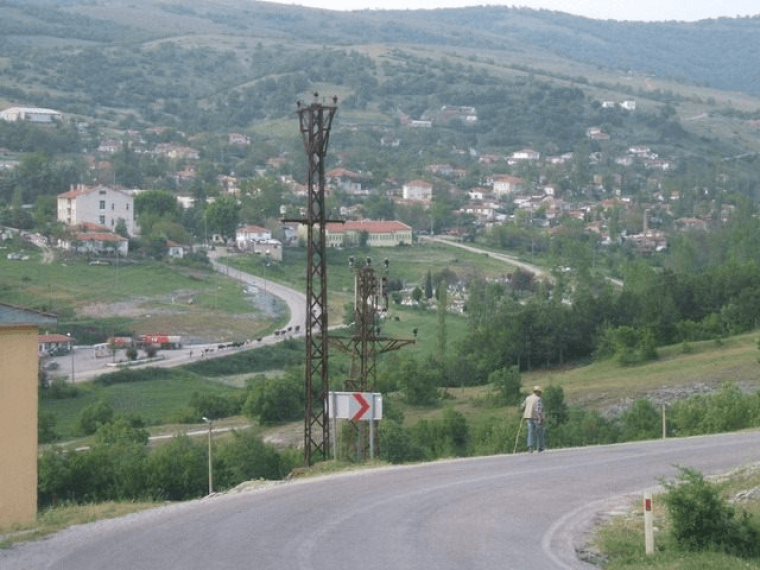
<point x="421" y="183"/>
<point x="54" y="338"/>
<point x="99" y="237"/>
<point x="370" y="226"/>
<point x="254" y="230"/>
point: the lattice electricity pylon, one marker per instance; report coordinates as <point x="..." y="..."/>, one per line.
<point x="315" y="122"/>
<point x="366" y="344"/>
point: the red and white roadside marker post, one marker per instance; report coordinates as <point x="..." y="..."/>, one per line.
<point x="648" y="524"/>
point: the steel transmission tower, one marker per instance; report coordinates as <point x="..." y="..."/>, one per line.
<point x="366" y="344"/>
<point x="315" y="122"/>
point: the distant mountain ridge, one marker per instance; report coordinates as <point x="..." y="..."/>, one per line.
<point x="720" y="52"/>
<point x="221" y="64"/>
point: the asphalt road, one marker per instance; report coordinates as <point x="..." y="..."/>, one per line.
<point x="535" y="269"/>
<point x="515" y="512"/>
<point x="84" y="365"/>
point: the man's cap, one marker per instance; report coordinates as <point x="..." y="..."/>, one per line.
<point x="538" y="389"/>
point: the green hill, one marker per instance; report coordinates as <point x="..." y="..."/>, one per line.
<point x="532" y="75"/>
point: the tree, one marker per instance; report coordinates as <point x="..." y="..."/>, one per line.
<point x="246" y="457"/>
<point x="507" y="383"/>
<point x="276" y="400"/>
<point x="419" y="382"/>
<point x="428" y="285"/>
<point x="178" y="470"/>
<point x="94" y="416"/>
<point x="223" y="216"/>
<point x="157" y="202"/>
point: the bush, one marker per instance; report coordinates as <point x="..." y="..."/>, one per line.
<point x="94" y="416"/>
<point x="700" y="520"/>
<point x="397" y="444"/>
<point x="641" y="421"/>
<point x="215" y="406"/>
<point x="246" y="457"/>
<point x="46" y="427"/>
<point x="276" y="400"/>
<point x="555" y="407"/>
<point x="445" y="437"/>
<point x="419" y="381"/>
<point x="60" y="389"/>
<point x="507" y="383"/>
<point x="178" y="470"/>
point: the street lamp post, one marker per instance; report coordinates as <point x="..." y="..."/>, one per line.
<point x="71" y="352"/>
<point x="210" y="463"/>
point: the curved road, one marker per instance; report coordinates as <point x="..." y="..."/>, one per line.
<point x="535" y="269"/>
<point x="516" y="512"/>
<point x="86" y="366"/>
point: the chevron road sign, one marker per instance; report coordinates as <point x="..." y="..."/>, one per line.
<point x="356" y="406"/>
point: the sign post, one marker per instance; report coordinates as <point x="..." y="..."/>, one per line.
<point x="357" y="407"/>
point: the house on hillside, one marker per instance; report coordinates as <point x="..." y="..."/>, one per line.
<point x="103" y="205"/>
<point x="524" y="155"/>
<point x="417" y="191"/>
<point x="345" y="179"/>
<point x="504" y="185"/>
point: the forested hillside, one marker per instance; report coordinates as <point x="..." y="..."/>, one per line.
<point x="229" y="64"/>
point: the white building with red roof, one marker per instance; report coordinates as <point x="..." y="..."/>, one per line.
<point x="102" y="205"/>
<point x="50" y="342"/>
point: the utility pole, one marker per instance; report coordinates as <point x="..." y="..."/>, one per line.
<point x="315" y="121"/>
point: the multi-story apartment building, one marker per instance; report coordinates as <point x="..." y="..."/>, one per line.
<point x="102" y="205"/>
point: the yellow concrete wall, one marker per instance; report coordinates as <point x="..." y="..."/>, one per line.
<point x="18" y="424"/>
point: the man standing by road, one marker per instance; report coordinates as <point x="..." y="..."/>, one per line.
<point x="534" y="413"/>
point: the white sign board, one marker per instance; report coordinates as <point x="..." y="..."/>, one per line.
<point x="356" y="406"/>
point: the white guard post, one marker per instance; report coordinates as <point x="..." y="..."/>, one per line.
<point x="648" y="526"/>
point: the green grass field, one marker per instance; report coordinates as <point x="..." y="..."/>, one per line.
<point x="157" y="402"/>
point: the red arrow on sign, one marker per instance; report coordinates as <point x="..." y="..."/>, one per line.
<point x="363" y="406"/>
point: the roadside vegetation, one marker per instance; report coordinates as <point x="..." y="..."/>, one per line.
<point x="700" y="523"/>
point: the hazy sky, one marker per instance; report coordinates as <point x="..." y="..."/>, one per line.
<point x="642" y="10"/>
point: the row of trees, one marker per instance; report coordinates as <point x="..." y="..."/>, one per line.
<point x="120" y="466"/>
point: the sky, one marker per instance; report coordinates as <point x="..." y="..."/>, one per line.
<point x="639" y="10"/>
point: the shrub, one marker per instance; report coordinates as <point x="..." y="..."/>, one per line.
<point x="178" y="470"/>
<point x="60" y="389"/>
<point x="275" y="400"/>
<point x="215" y="406"/>
<point x="94" y="416"/>
<point x="507" y="384"/>
<point x="700" y="520"/>
<point x="46" y="427"/>
<point x="641" y="421"/>
<point x="397" y="444"/>
<point x="555" y="407"/>
<point x="247" y="457"/>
